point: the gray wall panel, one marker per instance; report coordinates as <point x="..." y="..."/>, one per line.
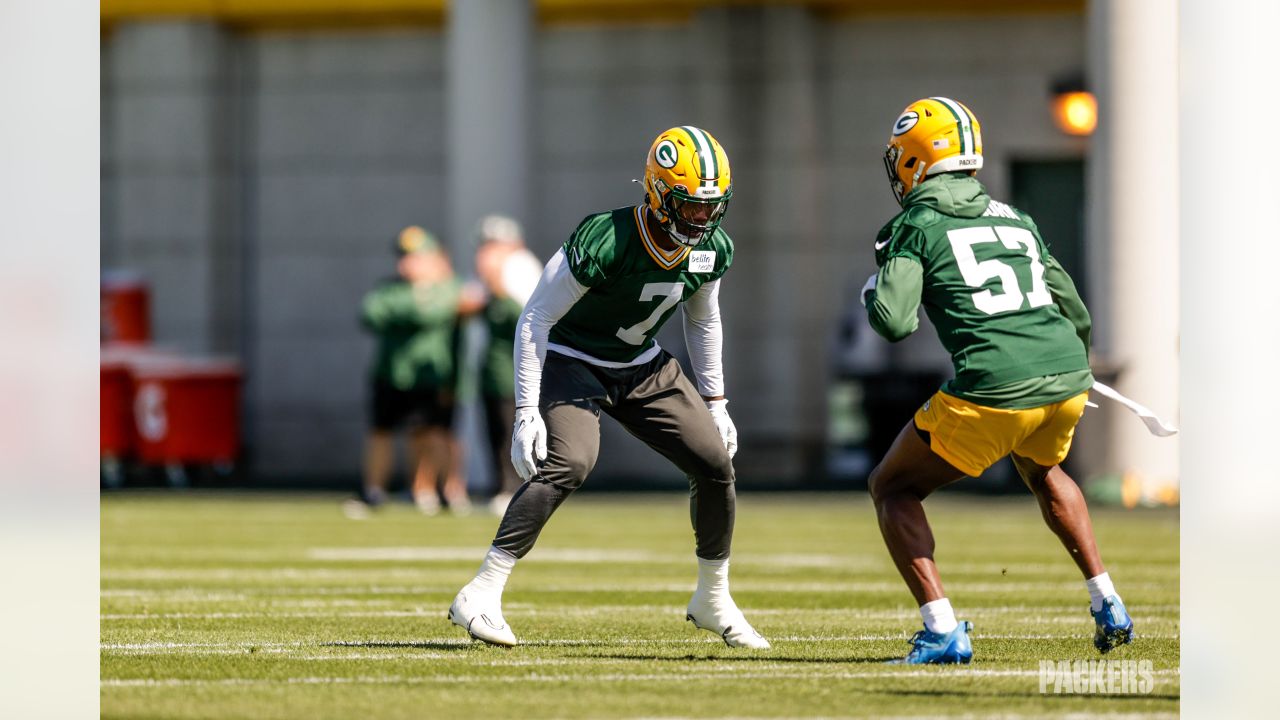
<point x="345" y="207"/>
<point x="345" y="145"/>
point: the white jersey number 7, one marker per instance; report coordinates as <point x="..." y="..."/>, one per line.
<point x="670" y="294"/>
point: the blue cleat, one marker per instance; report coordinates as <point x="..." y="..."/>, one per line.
<point x="930" y="648"/>
<point x="1115" y="627"/>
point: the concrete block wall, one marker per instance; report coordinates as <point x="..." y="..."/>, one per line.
<point x="347" y="149"/>
<point x="343" y="144"/>
<point x="165" y="172"/>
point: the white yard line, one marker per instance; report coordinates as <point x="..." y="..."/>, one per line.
<point x="680" y="677"/>
<point x="354" y="576"/>
<point x="1028" y="616"/>
<point x="268" y="615"/>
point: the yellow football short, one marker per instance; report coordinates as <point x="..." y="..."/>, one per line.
<point x="974" y="437"/>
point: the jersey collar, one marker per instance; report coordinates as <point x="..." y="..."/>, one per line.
<point x="666" y="260"/>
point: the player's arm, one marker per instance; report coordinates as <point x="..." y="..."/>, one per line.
<point x="555" y="294"/>
<point x="892" y="297"/>
<point x="1067" y="299"/>
<point x="383" y="308"/>
<point x="704" y="336"/>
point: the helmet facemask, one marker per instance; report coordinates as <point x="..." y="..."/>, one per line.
<point x="691" y="220"/>
<point x="892" y="154"/>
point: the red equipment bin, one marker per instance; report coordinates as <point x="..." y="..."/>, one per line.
<point x="187" y="411"/>
<point x="116" y="362"/>
<point x="116" y="409"/>
<point x="126" y="307"/>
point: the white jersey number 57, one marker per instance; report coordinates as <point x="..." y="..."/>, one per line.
<point x="976" y="274"/>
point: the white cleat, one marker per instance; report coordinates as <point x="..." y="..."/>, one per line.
<point x="723" y="618"/>
<point x="480" y="614"/>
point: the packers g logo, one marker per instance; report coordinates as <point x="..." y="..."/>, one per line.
<point x="666" y="154"/>
<point x="907" y="121"/>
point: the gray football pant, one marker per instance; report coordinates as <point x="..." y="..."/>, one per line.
<point x="656" y="403"/>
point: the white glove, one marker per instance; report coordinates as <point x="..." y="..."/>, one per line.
<point x="724" y="425"/>
<point x="868" y="287"/>
<point x="528" y="442"/>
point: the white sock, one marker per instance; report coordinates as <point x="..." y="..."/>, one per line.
<point x="713" y="578"/>
<point x="1100" y="588"/>
<point x="492" y="576"/>
<point x="938" y="616"/>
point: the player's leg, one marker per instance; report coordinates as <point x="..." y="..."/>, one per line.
<point x="428" y="452"/>
<point x="908" y="474"/>
<point x="573" y="443"/>
<point x="379" y="458"/>
<point x="1065" y="512"/>
<point x="662" y="408"/>
<point x="386" y="412"/>
<point x="570" y="408"/>
<point x="947" y="439"/>
<point x="455" y="482"/>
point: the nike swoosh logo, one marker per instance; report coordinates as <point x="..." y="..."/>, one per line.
<point x="880" y="245"/>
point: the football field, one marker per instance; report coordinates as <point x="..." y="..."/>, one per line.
<point x="277" y="606"/>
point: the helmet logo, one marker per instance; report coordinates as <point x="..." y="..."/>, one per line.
<point x="666" y="154"/>
<point x="905" y="122"/>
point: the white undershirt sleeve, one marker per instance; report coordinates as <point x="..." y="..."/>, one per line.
<point x="705" y="338"/>
<point x="556" y="293"/>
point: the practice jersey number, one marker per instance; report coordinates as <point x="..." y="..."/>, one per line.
<point x="976" y="274"/>
<point x="670" y="294"/>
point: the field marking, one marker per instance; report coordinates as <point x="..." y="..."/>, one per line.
<point x="772" y="586"/>
<point x="533" y="608"/>
<point x="266" y="615"/>
<point x="419" y="553"/>
<point x="1024" y="616"/>
<point x="290" y="590"/>
<point x="713" y="676"/>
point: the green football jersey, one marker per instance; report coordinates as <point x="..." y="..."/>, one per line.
<point x="634" y="284"/>
<point x="984" y="288"/>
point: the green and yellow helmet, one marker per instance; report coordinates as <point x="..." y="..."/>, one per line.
<point x="687" y="183"/>
<point x="932" y="135"/>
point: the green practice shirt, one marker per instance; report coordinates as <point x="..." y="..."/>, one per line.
<point x="416" y="329"/>
<point x="498" y="369"/>
<point x="1005" y="310"/>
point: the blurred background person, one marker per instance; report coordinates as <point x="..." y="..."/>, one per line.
<point x="413" y="378"/>
<point x="507" y="273"/>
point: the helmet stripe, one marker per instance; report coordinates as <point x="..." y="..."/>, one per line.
<point x="962" y="122"/>
<point x="706" y="153"/>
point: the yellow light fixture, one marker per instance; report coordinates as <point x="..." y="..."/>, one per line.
<point x="1075" y="112"/>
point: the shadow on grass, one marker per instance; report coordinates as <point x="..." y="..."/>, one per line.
<point x="744" y="658"/>
<point x="1016" y="693"/>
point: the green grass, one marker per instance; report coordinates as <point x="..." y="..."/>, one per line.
<point x="217" y="606"/>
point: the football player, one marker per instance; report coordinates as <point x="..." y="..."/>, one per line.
<point x="1018" y="335"/>
<point x="585" y="345"/>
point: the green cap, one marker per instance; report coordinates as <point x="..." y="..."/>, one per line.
<point x="414" y="239"/>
